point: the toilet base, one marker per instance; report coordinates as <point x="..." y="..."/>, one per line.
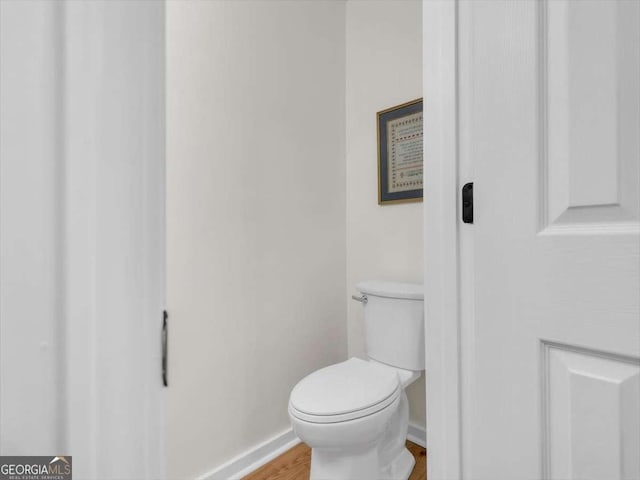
<point x="368" y="448"/>
<point x="400" y="468"/>
<point x="335" y="465"/>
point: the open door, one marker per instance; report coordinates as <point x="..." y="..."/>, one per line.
<point x="539" y="311"/>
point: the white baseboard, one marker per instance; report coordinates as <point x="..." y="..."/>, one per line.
<point x="417" y="434"/>
<point x="247" y="462"/>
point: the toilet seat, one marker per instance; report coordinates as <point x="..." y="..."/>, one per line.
<point x="345" y="391"/>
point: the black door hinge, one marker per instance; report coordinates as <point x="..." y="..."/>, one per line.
<point x="467" y="203"/>
<point x="165" y="333"/>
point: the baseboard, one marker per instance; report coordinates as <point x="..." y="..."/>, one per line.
<point x="251" y="460"/>
<point x="417" y="434"/>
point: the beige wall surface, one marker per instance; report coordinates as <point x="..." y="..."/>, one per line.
<point x="255" y="218"/>
<point x="265" y="101"/>
<point x="384" y="68"/>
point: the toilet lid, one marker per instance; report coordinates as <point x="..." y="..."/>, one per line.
<point x="347" y="387"/>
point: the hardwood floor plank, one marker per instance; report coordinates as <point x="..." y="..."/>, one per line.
<point x="420" y="454"/>
<point x="295" y="464"/>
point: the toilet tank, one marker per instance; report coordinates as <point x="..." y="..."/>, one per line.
<point x="394" y="323"/>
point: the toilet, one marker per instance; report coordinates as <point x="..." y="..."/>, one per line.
<point x="354" y="415"/>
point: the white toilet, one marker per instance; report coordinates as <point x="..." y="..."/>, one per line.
<point x="354" y="415"/>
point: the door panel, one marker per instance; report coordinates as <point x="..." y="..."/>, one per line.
<point x="590" y="414"/>
<point x="549" y="120"/>
<point x="589" y="54"/>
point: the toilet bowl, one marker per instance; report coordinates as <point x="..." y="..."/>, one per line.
<point x="355" y="415"/>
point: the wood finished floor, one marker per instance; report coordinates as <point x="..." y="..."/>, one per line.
<point x="294" y="465"/>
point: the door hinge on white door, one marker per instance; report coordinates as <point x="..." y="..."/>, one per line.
<point x="165" y="332"/>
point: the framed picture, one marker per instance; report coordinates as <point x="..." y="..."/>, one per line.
<point x="400" y="153"/>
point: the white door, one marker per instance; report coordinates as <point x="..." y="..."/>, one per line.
<point x="82" y="234"/>
<point x="548" y="129"/>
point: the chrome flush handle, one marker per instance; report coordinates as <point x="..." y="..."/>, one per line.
<point x="362" y="299"/>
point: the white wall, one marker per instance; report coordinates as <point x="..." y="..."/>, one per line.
<point x="256" y="218"/>
<point x="384" y="68"/>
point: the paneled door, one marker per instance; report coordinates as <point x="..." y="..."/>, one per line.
<point x="549" y="132"/>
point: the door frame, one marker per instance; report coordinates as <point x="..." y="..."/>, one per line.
<point x="442" y="240"/>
